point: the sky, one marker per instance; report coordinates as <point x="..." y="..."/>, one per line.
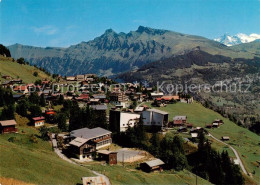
<point x="62" y="23"/>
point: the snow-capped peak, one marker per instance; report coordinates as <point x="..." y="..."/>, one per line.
<point x="239" y="38"/>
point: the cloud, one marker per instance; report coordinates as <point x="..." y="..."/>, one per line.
<point x="47" y="29"/>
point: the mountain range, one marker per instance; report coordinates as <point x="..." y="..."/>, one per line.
<point x="239" y="38"/>
<point x="113" y="53"/>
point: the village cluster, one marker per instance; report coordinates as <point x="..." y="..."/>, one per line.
<point x="124" y="109"/>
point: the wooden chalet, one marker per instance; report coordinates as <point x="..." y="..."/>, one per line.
<point x="152" y="165"/>
<point x="109" y="156"/>
<point x="38" y="121"/>
<point x="225" y="138"/>
<point x="86" y="141"/>
<point x="8" y="126"/>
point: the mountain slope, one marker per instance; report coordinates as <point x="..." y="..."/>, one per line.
<point x="25" y="72"/>
<point x="113" y="52"/>
<point x="201" y="73"/>
<point x="251" y="47"/>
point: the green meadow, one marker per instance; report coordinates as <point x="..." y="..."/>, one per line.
<point x="35" y="163"/>
<point x="24" y="72"/>
<point x="244" y="141"/>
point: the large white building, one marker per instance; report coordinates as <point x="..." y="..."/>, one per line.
<point x="155" y="117"/>
<point x="120" y="121"/>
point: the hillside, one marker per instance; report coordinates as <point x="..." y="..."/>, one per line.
<point x="244" y="141"/>
<point x="35" y="162"/>
<point x="23" y="160"/>
<point x="113" y="52"/>
<point x="24" y="72"/>
<point x="202" y="69"/>
<point x="251" y="47"/>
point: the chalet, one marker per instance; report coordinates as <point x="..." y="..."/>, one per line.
<point x="49" y="115"/>
<point x="86" y="141"/>
<point x="117" y="97"/>
<point x="109" y="156"/>
<point x="70" y="78"/>
<point x="93" y="101"/>
<point x="167" y="99"/>
<point x="120" y="121"/>
<point x="155" y="95"/>
<point x="183" y="129"/>
<point x="7" y="77"/>
<point x="155" y="117"/>
<point x="225" y="138"/>
<point x="8" y="126"/>
<point x="152" y="165"/>
<point x="82" y="97"/>
<point x="89" y="80"/>
<point x="101" y="97"/>
<point x="179" y="120"/>
<point x="20" y="89"/>
<point x="80" y="77"/>
<point x="209" y="126"/>
<point x="189" y="125"/>
<point x="90" y="76"/>
<point x="186" y="100"/>
<point x="217" y="123"/>
<point x="16" y="81"/>
<point x="194" y="135"/>
<point x="5" y="84"/>
<point x="102" y="107"/>
<point x="38" y="121"/>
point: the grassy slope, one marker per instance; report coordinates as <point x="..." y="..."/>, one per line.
<point x="15" y="70"/>
<point x="125" y="175"/>
<point x="245" y="141"/>
<point x="35" y="162"/>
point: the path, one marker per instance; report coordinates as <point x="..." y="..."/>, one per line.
<point x="61" y="155"/>
<point x="235" y="152"/>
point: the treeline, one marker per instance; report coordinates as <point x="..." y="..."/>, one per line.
<point x="213" y="166"/>
<point x="83" y="117"/>
<point x="206" y="162"/>
<point x="169" y="148"/>
<point x="7" y="102"/>
<point x="250" y="122"/>
<point x="4" y="51"/>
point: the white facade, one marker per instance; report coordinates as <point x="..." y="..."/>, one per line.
<point x="38" y="124"/>
<point x="124" y="104"/>
<point x="128" y="119"/>
<point x="154" y="117"/>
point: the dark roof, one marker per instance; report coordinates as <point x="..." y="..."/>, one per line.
<point x="87" y="133"/>
<point x="99" y="107"/>
<point x="99" y="96"/>
<point x="18" y="95"/>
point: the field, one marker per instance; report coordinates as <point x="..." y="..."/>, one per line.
<point x="35" y="163"/>
<point x="243" y="140"/>
<point x="128" y="175"/>
<point x="15" y="70"/>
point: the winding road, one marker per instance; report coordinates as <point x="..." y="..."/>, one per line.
<point x="235" y="152"/>
<point x="62" y="156"/>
